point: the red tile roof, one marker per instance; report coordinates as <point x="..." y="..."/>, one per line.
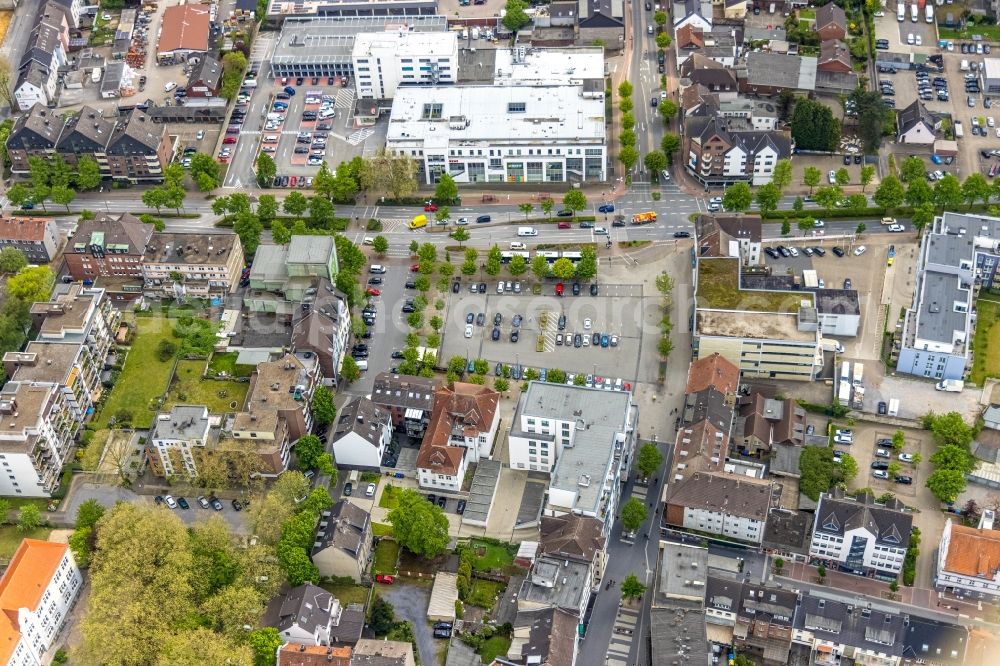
<point x="973" y="552"/>
<point x="23" y="228"/>
<point x="466" y="410"/>
<point x="713" y="371"/>
<point x="31" y="569"/>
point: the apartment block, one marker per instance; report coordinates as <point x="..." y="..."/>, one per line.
<point x="409" y="400"/>
<point x="37" y="237"/>
<point x="175" y="437"/>
<point x="968" y="560"/>
<point x="176" y="265"/>
<point x="721" y="150"/>
<point x="730" y="505"/>
<point x="108" y="246"/>
<point x="37" y="428"/>
<point x="387" y="60"/>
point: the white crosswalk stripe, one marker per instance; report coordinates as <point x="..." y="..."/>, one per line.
<point x="357" y="137"/>
<point x="345" y="98"/>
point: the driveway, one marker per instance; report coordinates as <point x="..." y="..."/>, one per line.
<point x="411" y="604"/>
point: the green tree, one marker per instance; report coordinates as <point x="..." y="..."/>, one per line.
<point x="768" y="197"/>
<point x="633" y="514"/>
<point x="814" y="127"/>
<point x="655" y="161"/>
<point x="667" y="110"/>
<point x="828" y="196"/>
<point x="308" y="450"/>
<point x="343" y="188"/>
<point x="547" y="204"/>
<point x="660" y="18"/>
<point x="267" y="170"/>
<point x="586" y="268"/>
<point x="624" y="89"/>
<point x="860" y="229"/>
<point x="912" y="169"/>
<point x="946" y="484"/>
<point x="18" y="194"/>
<point x="857" y="202"/>
<point x="526" y="208"/>
<point x="628" y="120"/>
<point x="670" y="144"/>
<point x="918" y="193"/>
<point x="898" y="439"/>
<point x="494" y="261"/>
<point x="575" y="200"/>
<point x="811" y="176"/>
<point x="267" y="208"/>
<point x="349" y="370"/>
<point x="380" y="244"/>
<point x="280" y="234"/>
<point x="515" y="16"/>
<point x="446" y="191"/>
<point x="501" y="385"/>
<point x="632" y="588"/>
<point x="889" y="194"/>
<point x="867" y="175"/>
<point x="540" y="267"/>
<point x="295" y="204"/>
<point x="628" y="156"/>
<point x="154" y="197"/>
<point x="418" y="525"/>
<point x="323" y="409"/>
<point x="950" y="429"/>
<point x="205" y="171"/>
<point x="88" y="513"/>
<point x="817" y="471"/>
<point x="563" y="268"/>
<point x="383" y="617"/>
<point x="12" y="260"/>
<point x="737" y="198"/>
<point x="782" y="175"/>
<point x="517" y="266"/>
<point x="806" y="224"/>
<point x="848" y="467"/>
<point x="31" y="284"/>
<point x="786" y="227"/>
<point x="922" y="217"/>
<point x="88" y="173"/>
<point x="974" y="188"/>
<point x="843" y="176"/>
<point x="948" y="193"/>
<point x="954" y="457"/>
<point x="461" y="234"/>
<point x="29" y="517"/>
<point x="265" y="643"/>
<point x="649" y="459"/>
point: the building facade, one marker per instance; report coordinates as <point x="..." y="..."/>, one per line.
<point x="385" y="61"/>
<point x="968" y="560"/>
<point x="732" y="506"/>
<point x="362" y="435"/>
<point x="37" y="237"/>
<point x="461" y="431"/>
<point x="176" y="265"/>
<point x="107" y="246"/>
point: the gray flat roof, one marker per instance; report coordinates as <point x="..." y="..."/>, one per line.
<point x="838" y="301"/>
<point x="331" y="39"/>
<point x="556" y="582"/>
<point x="682" y="573"/>
<point x="604" y="413"/>
<point x="188" y="422"/>
<point x="937" y="319"/>
<point x="678" y="634"/>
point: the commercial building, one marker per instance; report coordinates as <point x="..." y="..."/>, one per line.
<point x="283" y="10"/>
<point x="833" y="629"/>
<point x="285" y="279"/>
<point x="756" y="621"/>
<point x="729" y="236"/>
<point x="860" y="535"/>
<point x="108" y="246"/>
<point x="583" y="437"/>
<point x="765" y="332"/>
<point x="721" y="150"/>
<point x="499" y="134"/>
<point x="719" y="503"/>
<point x="386" y="60"/>
<point x="991" y="75"/>
<point x="545" y="636"/>
<point x="765" y="74"/>
<point x="958" y="256"/>
<point x="205" y="79"/>
<point x="184" y="31"/>
<point x="323" y="44"/>
<point x="343" y="544"/>
<point x="37" y="237"/>
<point x="37" y="592"/>
<point x="363" y="433"/>
<point x="176" y="265"/>
<point x="763" y="423"/>
<point x="462" y="429"/>
<point x="409" y="400"/>
<point x="839" y="312"/>
<point x="968" y="560"/>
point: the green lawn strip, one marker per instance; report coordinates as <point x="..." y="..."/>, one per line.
<point x="347" y="594"/>
<point x="10" y="539"/>
<point x="190" y="388"/>
<point x="144" y="377"/>
<point x="386" y="555"/>
<point x="986" y="361"/>
<point x="390" y="497"/>
<point x="484" y="593"/>
<point x="381" y="529"/>
<point x="488" y="556"/>
<point x="494" y="647"/>
<point x="226" y="362"/>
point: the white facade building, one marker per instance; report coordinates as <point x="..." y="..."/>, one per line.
<point x="175" y="435"/>
<point x="36" y="594"/>
<point x="859" y="535"/>
<point x="514" y="133"/>
<point x="362" y="435"/>
<point x="384" y="61"/>
<point x="969" y="559"/>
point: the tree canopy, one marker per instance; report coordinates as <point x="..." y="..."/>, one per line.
<point x="418" y="525"/>
<point x="814" y="127"/>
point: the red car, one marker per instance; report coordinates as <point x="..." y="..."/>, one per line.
<point x="229" y="139"/>
<point x="415" y="268"/>
<point x="430" y="207"/>
<point x="565" y="225"/>
<point x="385" y="579"/>
<point x="559" y="289"/>
<point x="294" y="180"/>
<point x="373" y="292"/>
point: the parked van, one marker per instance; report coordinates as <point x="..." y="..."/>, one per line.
<point x="929" y="12"/>
<point x="362" y="365"/>
<point x="900" y="12"/>
<point x="527" y="231"/>
<point x="515" y="245"/>
<point x="271" y="138"/>
<point x="831" y="345"/>
<point x="959" y="132"/>
<point x="914" y="12"/>
<point x="95" y="75"/>
<point x="419" y="222"/>
<point x="328" y="113"/>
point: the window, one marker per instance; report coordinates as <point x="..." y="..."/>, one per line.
<point x="516" y="107"/>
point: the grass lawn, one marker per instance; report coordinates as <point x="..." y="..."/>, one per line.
<point x="987" y="356"/>
<point x="10" y="539"/>
<point x="483" y="593"/>
<point x="489" y="556"/>
<point x="494" y="647"/>
<point x="807" y="13"/>
<point x="144" y="377"/>
<point x="990" y="33"/>
<point x="718" y="287"/>
<point x="386" y="555"/>
<point x="190" y="388"/>
<point x="227" y="363"/>
<point x="381" y="529"/>
<point x="390" y="497"/>
<point x="348" y="594"/>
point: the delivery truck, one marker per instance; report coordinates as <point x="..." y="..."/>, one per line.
<point x="894" y="407"/>
<point x="900" y="12"/>
<point x="646" y="217"/>
<point x="951" y="385"/>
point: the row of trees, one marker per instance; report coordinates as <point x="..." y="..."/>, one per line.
<point x="627" y="154"/>
<point x="55" y="180"/>
<point x="953" y="458"/>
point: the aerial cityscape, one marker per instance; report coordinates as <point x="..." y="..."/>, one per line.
<point x="499" y="333"/>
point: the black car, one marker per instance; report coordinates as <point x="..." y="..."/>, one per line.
<point x="499" y="369"/>
<point x="482" y="287"/>
<point x="469" y="318"/>
<point x="848" y="284"/>
<point x="577" y="340"/>
<point x="880" y="465"/>
<point x="576" y="288"/>
<point x="564" y="213"/>
<point x="904" y="480"/>
<point x="460" y="508"/>
<point x="442" y="501"/>
<point x="216" y="504"/>
<point x="837" y="251"/>
<point x="595" y="339"/>
<point x="410" y="284"/>
<point x="513" y="335"/>
<point x="857" y="159"/>
<point x="682" y="234"/>
<point x="360" y="355"/>
<point x="397" y="354"/>
<point x="299" y="81"/>
<point x="847" y="158"/>
<point x="410" y="307"/>
<point x="771" y="252"/>
<point x="237" y="506"/>
<point x="593" y="289"/>
<point x="562" y="322"/>
<point x="586" y="225"/>
<point x="455" y="286"/>
<point x="480" y="319"/>
<point x="360" y="347"/>
<point x="375" y="280"/>
<point x="183" y="503"/>
<point x="783" y="251"/>
<point x="482" y="219"/>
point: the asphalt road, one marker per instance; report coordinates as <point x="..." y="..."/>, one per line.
<point x="389" y="332"/>
<point x="411" y="604"/>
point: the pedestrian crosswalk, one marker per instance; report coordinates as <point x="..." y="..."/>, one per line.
<point x="394" y="224"/>
<point x="345" y="98"/>
<point x="623" y="635"/>
<point x="359" y="136"/>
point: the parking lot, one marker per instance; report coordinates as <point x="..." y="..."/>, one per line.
<point x="615" y="311"/>
<point x="863" y="451"/>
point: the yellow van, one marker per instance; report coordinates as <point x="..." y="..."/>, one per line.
<point x="418" y="222"/>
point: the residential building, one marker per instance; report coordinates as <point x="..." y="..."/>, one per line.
<point x="720" y="153"/>
<point x="556" y="583"/>
<point x="295" y="271"/>
<point x="991" y="416"/>
<point x="915" y="124"/>
<point x="715" y="372"/>
<point x="935" y="642"/>
<point x="545" y="636"/>
<point x="764" y="423"/>
<point x="462" y="429"/>
<point x="766" y="74"/>
<point x="830" y="23"/>
<point x="409" y="400"/>
<point x="343" y="545"/>
<point x="37" y="429"/>
<point x="183" y="34"/>
<point x="205" y="79"/>
<point x="719" y="503"/>
<point x="361" y="436"/>
<point x="696" y="48"/>
<point x="729" y="236"/>
<point x="310" y="615"/>
<point x="45" y="52"/>
<point x="697" y="13"/>
<point x="576" y="538"/>
<point x="957" y="255"/>
<point x="384" y="61"/>
<point x="968" y="561"/>
<point x="834" y="56"/>
<point x="132" y="148"/>
<point x="37" y="237"/>
<point x="108" y="246"/>
<point x="498" y="134"/>
<point x="324" y="332"/>
<point x="763" y="330"/>
<point x="369" y="652"/>
<point x="860" y="535"/>
<point x="176" y="265"/>
<point x="677" y="632"/>
<point x="733" y="9"/>
<point x="788" y="534"/>
<point x="602" y="22"/>
<point x="760" y="115"/>
<point x="37" y="592"/>
<point x="279" y="11"/>
<point x="709" y="405"/>
<point x="833" y="630"/>
<point x="682" y="573"/>
<point x="583" y="438"/>
<point x="174" y="437"/>
<point x="757" y="620"/>
<point x="300" y="654"/>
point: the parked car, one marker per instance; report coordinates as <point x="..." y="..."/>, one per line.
<point x="170" y="502"/>
<point x="385" y="579"/>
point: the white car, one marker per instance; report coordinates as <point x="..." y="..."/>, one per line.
<point x="169" y="85"/>
<point x="170" y="502"/>
<point x="370" y="490"/>
<point x="990" y="122"/>
<point x="500" y="287"/>
<point x="832" y="176"/>
<point x="462" y="221"/>
<point x="600" y="231"/>
<point x="819" y="224"/>
<point x="843" y="440"/>
<point x="880" y="474"/>
<point x="859" y="250"/>
<point x="909" y="38"/>
<point x="920" y="40"/>
<point x="906" y="457"/>
<point x="468" y="330"/>
<point x="663" y="94"/>
<point x="882" y="453"/>
<point x="896" y="227"/>
<point x="200" y="135"/>
<point x="794" y="251"/>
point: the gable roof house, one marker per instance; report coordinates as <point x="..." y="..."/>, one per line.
<point x="720" y="44"/>
<point x="859" y="535"/>
<point x="312" y="616"/>
<point x="205" y="79"/>
<point x="343" y="544"/>
<point x="139" y="149"/>
<point x="183" y="33"/>
<point x="409" y="400"/>
<point x="834" y="56"/>
<point x="693" y="12"/>
<point x="462" y="429"/>
<point x="832" y="628"/>
<point x="830" y="22"/>
<point x="760" y="617"/>
<point x="968" y="560"/>
<point x="38" y="237"/>
<point x="297" y="654"/>
<point x="107" y="246"/>
<point x="915" y="124"/>
<point x="719" y="503"/>
<point x="324" y="332"/>
<point x="38" y="71"/>
<point x="362" y="435"/>
<point x="33" y="134"/>
<point x="577" y="538"/>
<point x="699" y="69"/>
<point x="729" y="236"/>
<point x="764" y="423"/>
<point x="85" y="133"/>
<point x="604" y="21"/>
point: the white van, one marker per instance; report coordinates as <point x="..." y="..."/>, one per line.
<point x="275" y="116"/>
<point x="516" y="245"/>
<point x="376" y="269"/>
<point x="362" y="365"/>
<point x="369" y="240"/>
<point x="271" y="138"/>
<point x="527" y="231"/>
<point x="329" y="113"/>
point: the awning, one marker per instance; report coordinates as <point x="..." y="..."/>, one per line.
<point x="824" y="648"/>
<point x="414" y="413"/>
